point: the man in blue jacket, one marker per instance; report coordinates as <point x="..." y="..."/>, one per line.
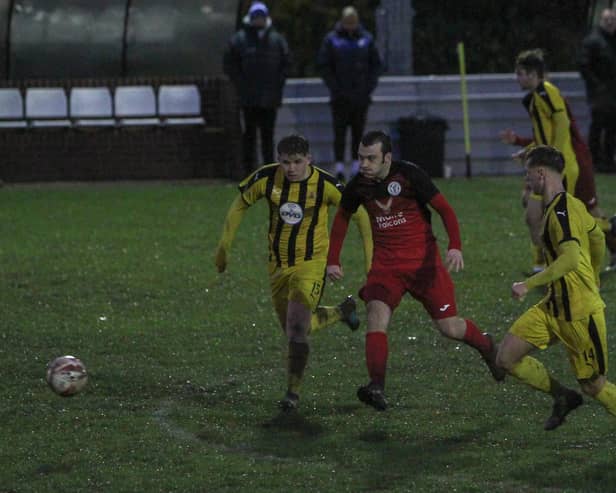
<point x="350" y="66"/>
<point x="257" y="61"/>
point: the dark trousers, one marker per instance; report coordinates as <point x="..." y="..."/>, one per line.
<point x="264" y="119"/>
<point x="345" y="114"/>
<point x="602" y="139"/>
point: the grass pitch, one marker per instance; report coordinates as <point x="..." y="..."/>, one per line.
<point x="186" y="365"/>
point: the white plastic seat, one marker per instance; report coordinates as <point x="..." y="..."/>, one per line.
<point x="135" y="105"/>
<point x="47" y="107"/>
<point x="180" y="105"/>
<point x="91" y="106"/>
<point x="11" y="109"/>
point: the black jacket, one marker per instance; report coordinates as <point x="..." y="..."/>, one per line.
<point x="258" y="63"/>
<point x="349" y="64"/>
<point x="598" y="68"/>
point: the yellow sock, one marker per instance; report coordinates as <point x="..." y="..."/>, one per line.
<point x="533" y="373"/>
<point x="607" y="397"/>
<point x="324" y="316"/>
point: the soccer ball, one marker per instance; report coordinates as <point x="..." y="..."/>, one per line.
<point x="66" y="375"/>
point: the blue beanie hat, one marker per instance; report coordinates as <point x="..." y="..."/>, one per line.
<point x="258" y="9"/>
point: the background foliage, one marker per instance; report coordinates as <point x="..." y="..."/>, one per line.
<point x="494" y="32"/>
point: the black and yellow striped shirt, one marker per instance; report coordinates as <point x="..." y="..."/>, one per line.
<point x="298" y="217"/>
<point x="551" y="126"/>
<point x="575" y="295"/>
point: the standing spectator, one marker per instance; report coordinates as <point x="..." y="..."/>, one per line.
<point x="399" y="196"/>
<point x="257" y="60"/>
<point x="572" y="310"/>
<point x="598" y="68"/>
<point x="350" y="66"/>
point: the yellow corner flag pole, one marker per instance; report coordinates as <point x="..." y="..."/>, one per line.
<point x="467" y="137"/>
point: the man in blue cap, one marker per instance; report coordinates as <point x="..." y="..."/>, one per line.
<point x="257" y="62"/>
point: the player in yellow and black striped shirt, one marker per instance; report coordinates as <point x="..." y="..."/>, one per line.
<point x="572" y="312"/>
<point x="299" y="196"/>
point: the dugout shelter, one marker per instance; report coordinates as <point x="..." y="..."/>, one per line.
<point x="116" y="89"/>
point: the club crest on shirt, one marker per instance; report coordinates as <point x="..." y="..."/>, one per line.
<point x="394" y="188"/>
<point x="291" y="213"/>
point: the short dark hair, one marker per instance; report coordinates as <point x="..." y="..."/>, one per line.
<point x="375" y="137"/>
<point x="293" y="144"/>
<point x="531" y="61"/>
<point x="547" y="156"/>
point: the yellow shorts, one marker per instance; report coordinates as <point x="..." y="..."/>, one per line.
<point x="585" y="340"/>
<point x="303" y="283"/>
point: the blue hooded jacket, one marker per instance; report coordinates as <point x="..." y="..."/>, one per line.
<point x="349" y="64"/>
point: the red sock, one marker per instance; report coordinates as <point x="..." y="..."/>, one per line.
<point x="376" y="356"/>
<point x="474" y="338"/>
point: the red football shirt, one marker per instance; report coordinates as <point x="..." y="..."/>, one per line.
<point x="399" y="215"/>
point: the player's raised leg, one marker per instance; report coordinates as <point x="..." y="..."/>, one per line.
<point x="513" y="356"/>
<point x="324" y="316"/>
<point x="466" y="330"/>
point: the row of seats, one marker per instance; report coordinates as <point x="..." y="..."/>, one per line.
<point x="98" y="106"/>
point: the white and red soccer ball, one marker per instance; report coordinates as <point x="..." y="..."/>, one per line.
<point x="67" y="375"/>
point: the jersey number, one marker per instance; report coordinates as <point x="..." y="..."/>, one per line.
<point x="589" y="355"/>
<point x="316" y="290"/>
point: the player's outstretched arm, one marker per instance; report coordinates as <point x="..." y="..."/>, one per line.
<point x="561" y="129"/>
<point x="363" y="224"/>
<point x="339" y="229"/>
<point x="567" y="260"/>
<point x="454" y="259"/>
<point x="596" y="243"/>
<point x="232" y="221"/>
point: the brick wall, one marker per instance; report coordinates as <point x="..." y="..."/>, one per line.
<point x="113" y="153"/>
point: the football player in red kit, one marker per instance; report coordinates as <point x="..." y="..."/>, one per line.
<point x="406" y="257"/>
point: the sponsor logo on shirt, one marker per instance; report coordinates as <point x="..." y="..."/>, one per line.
<point x="385" y="222"/>
<point x="291" y="213"/>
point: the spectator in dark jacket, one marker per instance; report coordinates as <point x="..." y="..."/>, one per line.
<point x="598" y="68"/>
<point x="350" y="66"/>
<point x="257" y="60"/>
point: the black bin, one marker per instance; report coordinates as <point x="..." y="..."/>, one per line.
<point x="422" y="141"/>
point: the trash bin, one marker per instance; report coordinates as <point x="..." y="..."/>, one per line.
<point x="422" y="141"/>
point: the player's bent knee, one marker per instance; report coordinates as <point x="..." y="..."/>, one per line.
<point x="592" y="386"/>
<point x="506" y="361"/>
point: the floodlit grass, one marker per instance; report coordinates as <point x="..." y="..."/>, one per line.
<point x="186" y="365"/>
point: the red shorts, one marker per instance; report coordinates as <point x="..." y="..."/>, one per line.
<point x="431" y="286"/>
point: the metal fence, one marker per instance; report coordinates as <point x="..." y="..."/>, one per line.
<point x="494" y="104"/>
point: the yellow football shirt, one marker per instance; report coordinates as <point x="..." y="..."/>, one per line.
<point x="576" y="294"/>
<point x="551" y="126"/>
<point x="298" y="218"/>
